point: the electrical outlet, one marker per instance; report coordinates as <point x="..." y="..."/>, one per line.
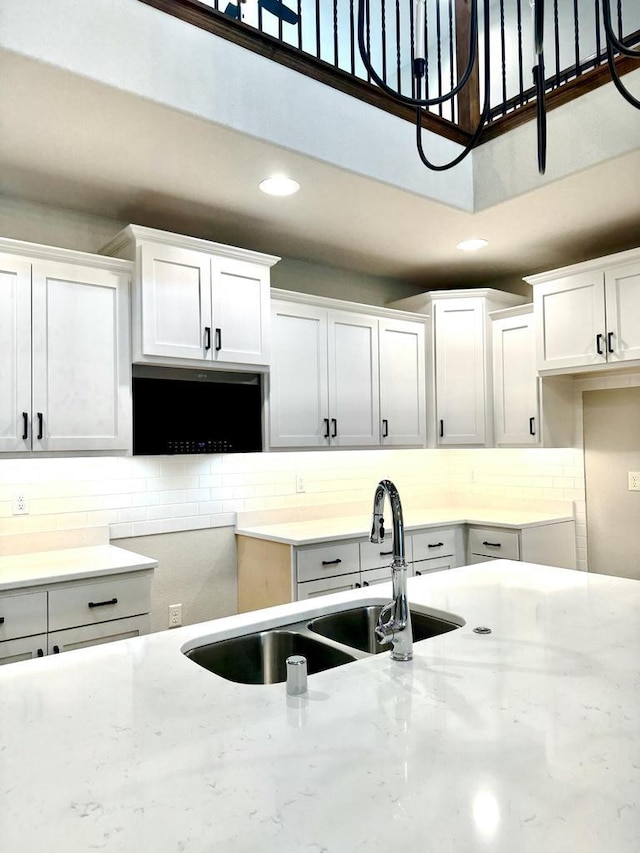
<point x="299" y="484"/>
<point x="20" y="504"/>
<point x="634" y="481"/>
<point x="175" y="615"/>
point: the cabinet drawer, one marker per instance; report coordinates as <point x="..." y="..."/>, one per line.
<point x="99" y="601"/>
<point x="23" y="615"/>
<point x="439" y="542"/>
<point x="378" y="556"/>
<point x="328" y="560"/>
<point x="492" y="542"/>
<point x="24" y="648"/>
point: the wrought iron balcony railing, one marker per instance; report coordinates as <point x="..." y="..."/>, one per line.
<point x="319" y="37"/>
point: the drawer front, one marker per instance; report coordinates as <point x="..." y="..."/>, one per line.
<point x="95" y="635"/>
<point x="373" y="576"/>
<point x="378" y="556"/>
<point x="23" y="615"/>
<point x="87" y="603"/>
<point x="423" y="567"/>
<point x="439" y="542"/>
<point x="492" y="542"/>
<point x="341" y="583"/>
<point x="24" y="648"/>
<point x="326" y="561"/>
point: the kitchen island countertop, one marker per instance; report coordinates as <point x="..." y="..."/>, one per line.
<point x="524" y="739"/>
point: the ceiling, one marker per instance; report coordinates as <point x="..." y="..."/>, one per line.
<point x="73" y="143"/>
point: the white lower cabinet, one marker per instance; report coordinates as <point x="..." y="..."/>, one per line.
<point x="73" y="614"/>
<point x="551" y="544"/>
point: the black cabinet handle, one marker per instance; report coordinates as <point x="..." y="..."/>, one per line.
<point x="56" y="650"/>
<point x="334" y="431"/>
<point x="207" y="337"/>
<point x="599" y="342"/>
<point x="103" y="603"/>
<point x="532" y="426"/>
<point x="610" y="341"/>
<point x="356" y="586"/>
<point x="386" y="553"/>
<point x="365" y="583"/>
<point x="1" y="620"/>
<point x="492" y="544"/>
<point x="326" y="427"/>
<point x="40" y="653"/>
<point x="441" y="429"/>
<point x="331" y="562"/>
<point x="418" y="574"/>
<point x="385" y="428"/>
<point x="218" y="340"/>
<point x="25" y="426"/>
<point x="435" y="545"/>
<point x="40" y="426"/>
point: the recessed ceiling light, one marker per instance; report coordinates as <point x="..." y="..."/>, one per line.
<point x="279" y="185"/>
<point x="472" y="245"/>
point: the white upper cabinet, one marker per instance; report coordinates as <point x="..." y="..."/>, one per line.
<point x="402" y="382"/>
<point x="515" y="381"/>
<point x="332" y="371"/>
<point x="298" y="387"/>
<point x="197" y="303"/>
<point x="588" y="315"/>
<point x="64" y="340"/>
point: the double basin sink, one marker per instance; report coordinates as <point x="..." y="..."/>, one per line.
<point x="325" y="641"/>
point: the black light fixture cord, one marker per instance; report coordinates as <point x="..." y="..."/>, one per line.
<point x="363" y="15"/>
<point x="483" y="116"/>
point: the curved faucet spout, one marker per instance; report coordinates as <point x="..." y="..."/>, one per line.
<point x="397" y="628"/>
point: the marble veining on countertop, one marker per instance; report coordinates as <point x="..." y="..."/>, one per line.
<point x="526" y="739"/>
<point x="309" y="531"/>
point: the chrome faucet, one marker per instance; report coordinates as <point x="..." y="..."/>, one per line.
<point x="394" y="622"/>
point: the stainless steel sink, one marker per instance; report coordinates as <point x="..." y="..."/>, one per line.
<point x="356" y="627"/>
<point x="325" y="641"/>
<point x="260" y="658"/>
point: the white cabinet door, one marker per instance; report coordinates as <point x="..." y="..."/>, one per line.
<point x="622" y="294"/>
<point x="515" y="381"/>
<point x="95" y="635"/>
<point x="570" y="317"/>
<point x="402" y="383"/>
<point x="240" y="312"/>
<point x="24" y="648"/>
<point x="176" y="302"/>
<point x="354" y="397"/>
<point x="460" y="370"/>
<point x="81" y="363"/>
<point x="298" y="396"/>
<point x="15" y="353"/>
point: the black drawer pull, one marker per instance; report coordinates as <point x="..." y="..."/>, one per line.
<point x="207" y="337"/>
<point x="40" y="653"/>
<point x="356" y="586"/>
<point x="441" y="429"/>
<point x="418" y="574"/>
<point x="334" y="431"/>
<point x="103" y="603"/>
<point x="492" y="544"/>
<point x="610" y="341"/>
<point x="532" y="426"/>
<point x="218" y="340"/>
<point x="599" y="340"/>
<point x="326" y="427"/>
<point x="331" y="562"/>
<point x="435" y="545"/>
<point x="365" y="583"/>
<point x="40" y="426"/>
<point x="25" y="426"/>
<point x="56" y="650"/>
<point x="1" y="620"/>
<point x="386" y="553"/>
<point x="385" y="428"/>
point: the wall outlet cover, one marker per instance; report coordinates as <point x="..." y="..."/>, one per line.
<point x="634" y="481"/>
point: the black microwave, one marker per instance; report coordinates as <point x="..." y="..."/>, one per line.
<point x="181" y="411"/>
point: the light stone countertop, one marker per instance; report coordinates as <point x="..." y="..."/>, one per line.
<point x="29" y="560"/>
<point x="312" y="531"/>
<point x="527" y="739"/>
